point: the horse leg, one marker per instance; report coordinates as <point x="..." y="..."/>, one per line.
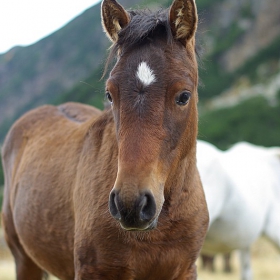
<point x="227" y="266"/>
<point x="245" y="260"/>
<point x="26" y="269"/>
<point x="272" y="226"/>
<point x="208" y="262"/>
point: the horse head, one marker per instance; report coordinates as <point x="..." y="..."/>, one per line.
<point x="153" y="94"/>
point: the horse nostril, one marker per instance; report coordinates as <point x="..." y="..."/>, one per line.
<point x="147" y="207"/>
<point x="113" y="205"/>
<point x="133" y="215"/>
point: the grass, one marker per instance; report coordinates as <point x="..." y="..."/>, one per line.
<point x="265" y="262"/>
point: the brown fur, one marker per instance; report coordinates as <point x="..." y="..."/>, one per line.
<point x="61" y="163"/>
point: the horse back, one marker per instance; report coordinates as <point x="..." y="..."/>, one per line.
<point x="36" y="123"/>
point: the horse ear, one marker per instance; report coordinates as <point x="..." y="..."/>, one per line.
<point x="183" y="19"/>
<point x="114" y="18"/>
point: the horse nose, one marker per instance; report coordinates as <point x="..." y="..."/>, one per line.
<point x="114" y="205"/>
<point x="137" y="214"/>
<point x="147" y="207"/>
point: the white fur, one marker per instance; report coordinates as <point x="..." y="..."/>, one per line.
<point x="145" y="74"/>
<point x="242" y="189"/>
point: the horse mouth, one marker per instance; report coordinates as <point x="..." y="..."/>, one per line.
<point x="147" y="227"/>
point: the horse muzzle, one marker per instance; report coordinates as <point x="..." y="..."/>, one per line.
<point x="137" y="214"/>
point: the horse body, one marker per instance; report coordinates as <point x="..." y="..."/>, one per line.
<point x="63" y="165"/>
<point x="243" y="198"/>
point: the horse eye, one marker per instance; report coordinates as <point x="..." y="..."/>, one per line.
<point x="109" y="97"/>
<point x="183" y="98"/>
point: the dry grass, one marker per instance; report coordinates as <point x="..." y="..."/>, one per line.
<point x="265" y="261"/>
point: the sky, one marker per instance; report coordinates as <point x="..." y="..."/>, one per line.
<point x="24" y="22"/>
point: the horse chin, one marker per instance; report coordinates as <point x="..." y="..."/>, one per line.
<point x="147" y="227"/>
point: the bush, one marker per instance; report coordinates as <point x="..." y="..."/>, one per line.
<point x="254" y="121"/>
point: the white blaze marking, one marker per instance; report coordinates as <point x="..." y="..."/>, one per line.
<point x="145" y="74"/>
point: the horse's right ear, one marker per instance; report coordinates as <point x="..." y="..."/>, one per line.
<point x="114" y="18"/>
<point x="183" y="19"/>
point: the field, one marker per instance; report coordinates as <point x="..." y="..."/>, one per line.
<point x="266" y="264"/>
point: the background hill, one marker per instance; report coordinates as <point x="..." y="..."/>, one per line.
<point x="240" y="69"/>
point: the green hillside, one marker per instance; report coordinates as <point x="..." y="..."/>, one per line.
<point x="253" y="120"/>
<point x="215" y="79"/>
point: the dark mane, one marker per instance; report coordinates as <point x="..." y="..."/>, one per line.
<point x="143" y="26"/>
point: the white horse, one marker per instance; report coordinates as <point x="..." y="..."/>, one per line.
<point x="242" y="188"/>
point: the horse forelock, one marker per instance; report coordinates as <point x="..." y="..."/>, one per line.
<point x="144" y="26"/>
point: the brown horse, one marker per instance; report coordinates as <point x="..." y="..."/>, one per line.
<point x="63" y="164"/>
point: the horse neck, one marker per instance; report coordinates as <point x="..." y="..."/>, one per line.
<point x="181" y="184"/>
<point x="101" y="139"/>
<point x="184" y="174"/>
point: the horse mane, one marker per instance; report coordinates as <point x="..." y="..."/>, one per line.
<point x="143" y="26"/>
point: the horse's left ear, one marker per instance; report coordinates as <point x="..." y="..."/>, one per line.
<point x="183" y="19"/>
<point x="114" y="18"/>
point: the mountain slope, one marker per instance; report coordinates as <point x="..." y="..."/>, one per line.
<point x="34" y="75"/>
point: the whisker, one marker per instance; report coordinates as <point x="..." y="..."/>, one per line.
<point x="86" y="84"/>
